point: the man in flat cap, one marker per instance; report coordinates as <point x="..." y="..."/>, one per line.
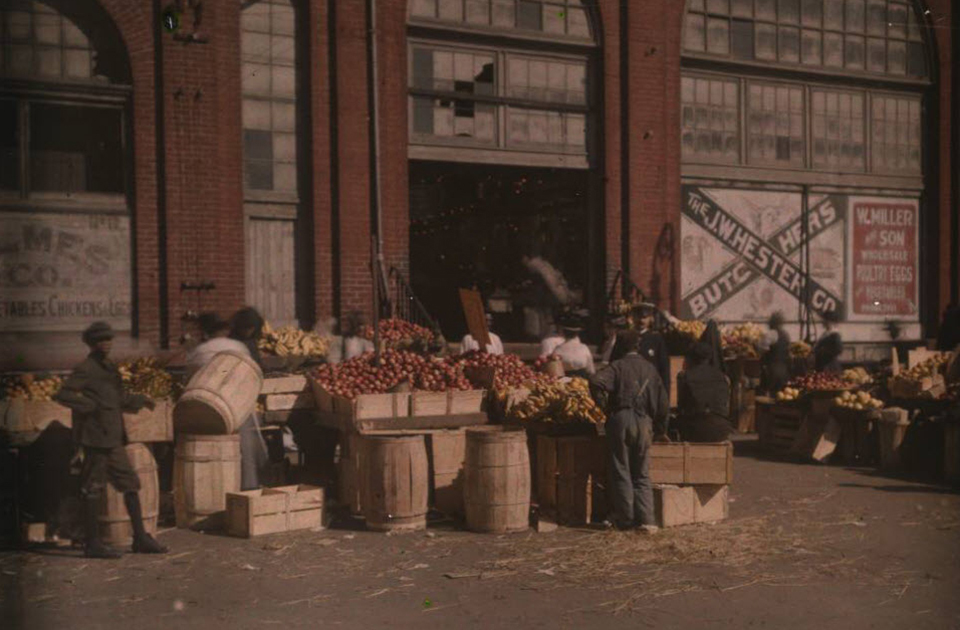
<point x="95" y="394"/>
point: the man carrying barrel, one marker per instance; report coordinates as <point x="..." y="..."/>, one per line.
<point x="638" y="404"/>
<point x="95" y="394"/>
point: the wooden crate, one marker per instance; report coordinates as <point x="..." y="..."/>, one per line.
<point x="859" y="443"/>
<point x="447" y="450"/>
<point x="778" y="425"/>
<point x="546" y="474"/>
<point x="673" y="505"/>
<point x="580" y="480"/>
<point x="428" y="403"/>
<point x="711" y="503"/>
<point x="150" y="425"/>
<point x="273" y="510"/>
<point x="691" y="463"/>
<point x="468" y="401"/>
<point x="286" y="402"/>
<point x="819" y="432"/>
<point x="292" y="384"/>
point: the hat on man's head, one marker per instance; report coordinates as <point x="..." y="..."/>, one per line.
<point x="97" y="331"/>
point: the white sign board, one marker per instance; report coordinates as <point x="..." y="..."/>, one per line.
<point x="60" y="272"/>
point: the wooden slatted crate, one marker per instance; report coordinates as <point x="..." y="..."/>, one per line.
<point x="273" y="510"/>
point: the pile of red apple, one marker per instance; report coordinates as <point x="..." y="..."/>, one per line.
<point x="509" y="369"/>
<point x="360" y="375"/>
<point x="820" y="381"/>
<point x="399" y="334"/>
<point x="541" y="362"/>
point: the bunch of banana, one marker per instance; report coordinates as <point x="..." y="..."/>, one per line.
<point x="800" y="349"/>
<point x="693" y="328"/>
<point x="145" y="376"/>
<point x="30" y="387"/>
<point x="563" y="401"/>
<point x="291" y="341"/>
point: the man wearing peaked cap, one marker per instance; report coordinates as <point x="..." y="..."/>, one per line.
<point x="95" y="394"/>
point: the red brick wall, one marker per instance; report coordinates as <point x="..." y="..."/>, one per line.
<point x="318" y="70"/>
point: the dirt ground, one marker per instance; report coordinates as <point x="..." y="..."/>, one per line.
<point x="806" y="546"/>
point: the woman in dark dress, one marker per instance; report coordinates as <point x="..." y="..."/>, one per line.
<point x="776" y="360"/>
<point x="711" y="337"/>
<point x="827" y="350"/>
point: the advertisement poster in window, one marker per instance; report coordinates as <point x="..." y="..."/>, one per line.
<point x="741" y="253"/>
<point x="60" y="272"/>
<point x="884" y="259"/>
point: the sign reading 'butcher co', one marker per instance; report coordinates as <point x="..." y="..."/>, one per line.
<point x="62" y="271"/>
<point x="884" y="263"/>
<point x="755" y="256"/>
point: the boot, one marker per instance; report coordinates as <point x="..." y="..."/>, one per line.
<point x="93" y="547"/>
<point x="142" y="541"/>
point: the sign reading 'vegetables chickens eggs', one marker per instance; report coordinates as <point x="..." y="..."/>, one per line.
<point x="884" y="263"/>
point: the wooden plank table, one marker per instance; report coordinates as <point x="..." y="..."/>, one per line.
<point x="404" y="424"/>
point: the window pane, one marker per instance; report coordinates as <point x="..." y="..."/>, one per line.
<point x="789" y="44"/>
<point x="695" y="36"/>
<point x="478" y="11"/>
<point x="876" y="55"/>
<point x="422" y="68"/>
<point x="877" y="17"/>
<point x="718" y="38"/>
<point x="913" y="27"/>
<point x="423" y="8"/>
<point x="833" y="50"/>
<point x="789" y="12"/>
<point x="450" y="10"/>
<point x="721" y="7"/>
<point x="256" y="114"/>
<point x="710" y="119"/>
<point x="554" y="19"/>
<point x="810" y="47"/>
<point x="766" y="41"/>
<point x="742" y="8"/>
<point x="916" y="60"/>
<point x="766" y="10"/>
<point x="423" y="114"/>
<point x="577" y="23"/>
<point x="896" y="57"/>
<point x="833" y="15"/>
<point x="75" y="149"/>
<point x="854" y="21"/>
<point x="853" y="52"/>
<point x="504" y="13"/>
<point x="529" y="15"/>
<point x="77" y="63"/>
<point x="897" y="20"/>
<point x="811" y="10"/>
<point x="742" y="36"/>
<point x="9" y="147"/>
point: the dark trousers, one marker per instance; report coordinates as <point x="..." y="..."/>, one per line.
<point x="629" y="436"/>
<point x="707" y="427"/>
<point x="102" y="465"/>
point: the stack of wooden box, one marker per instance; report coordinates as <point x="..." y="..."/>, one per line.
<point x="691" y="481"/>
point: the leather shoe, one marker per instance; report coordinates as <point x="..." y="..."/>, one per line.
<point x="148" y="544"/>
<point x="99" y="550"/>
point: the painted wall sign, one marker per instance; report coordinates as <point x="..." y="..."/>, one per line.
<point x="884" y="262"/>
<point x="60" y="272"/>
<point x="741" y="253"/>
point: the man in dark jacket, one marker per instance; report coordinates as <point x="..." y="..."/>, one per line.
<point x="653" y="347"/>
<point x="638" y="403"/>
<point x="95" y="394"/>
<point x="703" y="398"/>
<point x="776" y="360"/>
<point x="827" y="350"/>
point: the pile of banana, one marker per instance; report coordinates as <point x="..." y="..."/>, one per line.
<point x="691" y="328"/>
<point x="30" y="387"/>
<point x="564" y="401"/>
<point x="800" y="350"/>
<point x="291" y="341"/>
<point x="145" y="376"/>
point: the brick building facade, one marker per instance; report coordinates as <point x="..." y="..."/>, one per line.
<point x="187" y="211"/>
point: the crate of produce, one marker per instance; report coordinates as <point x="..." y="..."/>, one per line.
<point x="31" y="417"/>
<point x="150" y="425"/>
<point x="778" y="424"/>
<point x="287" y="384"/>
<point x="273" y="510"/>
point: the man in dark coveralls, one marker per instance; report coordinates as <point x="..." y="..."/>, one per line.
<point x="94" y="392"/>
<point x="638" y="404"/>
<point x="703" y="398"/>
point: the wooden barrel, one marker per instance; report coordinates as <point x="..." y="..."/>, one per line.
<point x="348" y="472"/>
<point x="393" y="482"/>
<point x="115" y="527"/>
<point x="220" y="396"/>
<point x="447" y="451"/>
<point x="496" y="491"/>
<point x="205" y="469"/>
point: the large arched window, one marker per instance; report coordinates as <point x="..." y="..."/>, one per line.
<point x="803" y="159"/>
<point x="65" y="246"/>
<point x="526" y="102"/>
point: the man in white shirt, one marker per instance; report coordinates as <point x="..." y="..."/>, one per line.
<point x="576" y="356"/>
<point x="495" y="346"/>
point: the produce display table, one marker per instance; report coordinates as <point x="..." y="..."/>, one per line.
<point x="398" y="424"/>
